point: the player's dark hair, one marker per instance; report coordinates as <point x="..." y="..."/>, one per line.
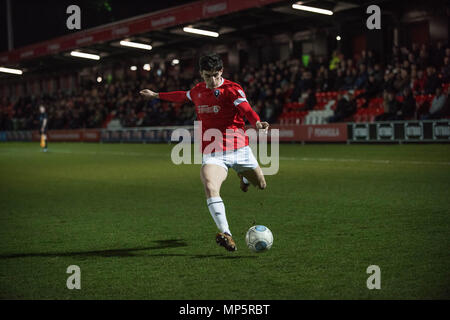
<point x="210" y="62"/>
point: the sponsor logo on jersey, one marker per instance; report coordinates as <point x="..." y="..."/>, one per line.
<point x="208" y="109"/>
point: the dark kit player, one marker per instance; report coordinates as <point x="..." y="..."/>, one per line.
<point x="43" y="123"/>
<point x="221" y="104"/>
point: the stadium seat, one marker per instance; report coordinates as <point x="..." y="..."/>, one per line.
<point x="327" y="102"/>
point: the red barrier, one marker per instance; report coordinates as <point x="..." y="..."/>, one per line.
<point x="82" y="135"/>
<point x="320" y="132"/>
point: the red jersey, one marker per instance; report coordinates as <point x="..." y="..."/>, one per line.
<point x="222" y="108"/>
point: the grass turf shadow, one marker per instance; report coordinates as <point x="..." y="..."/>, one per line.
<point x="126" y="252"/>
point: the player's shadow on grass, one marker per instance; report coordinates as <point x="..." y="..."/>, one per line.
<point x="128" y="252"/>
<point x="222" y="256"/>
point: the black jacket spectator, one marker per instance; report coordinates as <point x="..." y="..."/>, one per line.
<point x="371" y="90"/>
<point x="391" y="107"/>
<point x="407" y="108"/>
<point x="310" y="101"/>
<point x="345" y="108"/>
<point x="432" y="82"/>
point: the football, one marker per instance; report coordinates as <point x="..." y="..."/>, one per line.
<point x="259" y="238"/>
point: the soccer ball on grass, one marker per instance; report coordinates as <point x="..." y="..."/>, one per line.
<point x="259" y="238"/>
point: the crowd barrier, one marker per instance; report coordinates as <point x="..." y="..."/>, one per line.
<point x="400" y="131"/>
<point x="390" y="131"/>
<point x="78" y="135"/>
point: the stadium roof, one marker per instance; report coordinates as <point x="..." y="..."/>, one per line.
<point x="234" y="20"/>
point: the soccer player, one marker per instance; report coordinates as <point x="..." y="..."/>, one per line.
<point x="43" y="123"/>
<point x="221" y="104"/>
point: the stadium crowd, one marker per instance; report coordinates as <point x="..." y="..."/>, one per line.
<point x="419" y="70"/>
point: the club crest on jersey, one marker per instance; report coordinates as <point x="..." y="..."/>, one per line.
<point x="217" y="93"/>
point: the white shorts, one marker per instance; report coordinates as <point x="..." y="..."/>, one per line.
<point x="241" y="159"/>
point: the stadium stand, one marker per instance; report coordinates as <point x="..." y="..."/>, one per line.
<point x="278" y="91"/>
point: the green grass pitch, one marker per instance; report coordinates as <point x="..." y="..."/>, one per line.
<point x="139" y="228"/>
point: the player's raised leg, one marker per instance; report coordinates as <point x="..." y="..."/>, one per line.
<point x="213" y="176"/>
<point x="253" y="176"/>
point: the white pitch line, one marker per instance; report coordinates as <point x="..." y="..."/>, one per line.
<point x="367" y="160"/>
<point x="135" y="154"/>
<point x="113" y="153"/>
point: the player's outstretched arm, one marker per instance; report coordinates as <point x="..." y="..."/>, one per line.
<point x="174" y="96"/>
<point x="149" y="94"/>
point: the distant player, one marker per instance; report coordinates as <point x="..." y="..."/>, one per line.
<point x="43" y="123"/>
<point x="221" y="104"/>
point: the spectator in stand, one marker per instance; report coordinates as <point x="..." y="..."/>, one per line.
<point x="328" y="81"/>
<point x="339" y="80"/>
<point x="269" y="111"/>
<point x="406" y="65"/>
<point x="349" y="80"/>
<point x="350" y="64"/>
<point x="308" y="82"/>
<point x="313" y="65"/>
<point x="371" y="58"/>
<point x="445" y="70"/>
<point x="404" y="52"/>
<point x="446" y="111"/>
<point x="391" y="106"/>
<point x="334" y="61"/>
<point x="407" y="107"/>
<point x="396" y="56"/>
<point x="323" y="81"/>
<point x="415" y="50"/>
<point x="401" y="80"/>
<point x="418" y="82"/>
<point x="438" y="54"/>
<point x="377" y="73"/>
<point x="319" y="79"/>
<point x="371" y="90"/>
<point x="388" y="81"/>
<point x="310" y="101"/>
<point x="437" y="108"/>
<point x="363" y="58"/>
<point x="411" y="58"/>
<point x="322" y="62"/>
<point x="342" y="65"/>
<point x="361" y="78"/>
<point x="94" y="104"/>
<point x="422" y="60"/>
<point x="432" y="81"/>
<point x="346" y="107"/>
